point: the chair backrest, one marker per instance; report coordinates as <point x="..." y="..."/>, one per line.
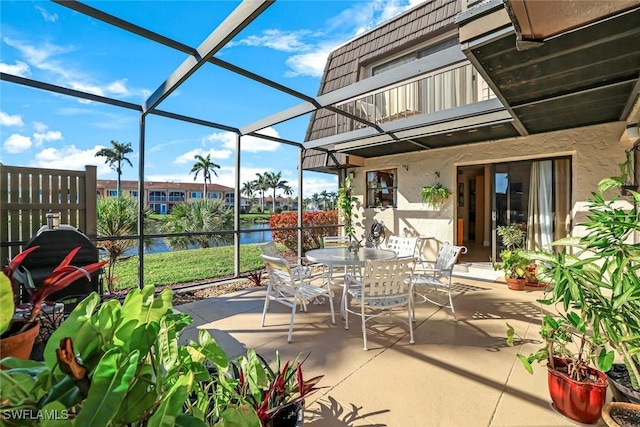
<point x="281" y="277"/>
<point x="403" y="246"/>
<point x="384" y="279"/>
<point x="270" y="249"/>
<point x="332" y="241"/>
<point x="447" y="257"/>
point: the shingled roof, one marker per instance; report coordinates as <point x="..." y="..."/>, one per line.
<point x="344" y="63"/>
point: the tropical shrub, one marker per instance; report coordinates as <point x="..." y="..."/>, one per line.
<point x="118" y="216"/>
<point x="312" y="237"/>
<point x="203" y="216"/>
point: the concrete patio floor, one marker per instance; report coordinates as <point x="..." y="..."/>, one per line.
<point x="456" y="374"/>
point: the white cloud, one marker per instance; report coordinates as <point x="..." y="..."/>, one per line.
<point x="50" y="135"/>
<point x="311" y="48"/>
<point x="48" y="17"/>
<point x="40" y="127"/>
<point x="308" y="64"/>
<point x="188" y="157"/>
<point x="8" y="120"/>
<point x="285" y="41"/>
<point x="20" y="69"/>
<point x="48" y="57"/>
<point x="251" y="144"/>
<point x="71" y="158"/>
<point x="17" y="143"/>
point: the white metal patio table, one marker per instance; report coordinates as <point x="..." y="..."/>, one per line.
<point x="340" y="256"/>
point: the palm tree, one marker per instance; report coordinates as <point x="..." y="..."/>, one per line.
<point x="118" y="216"/>
<point x="333" y="196"/>
<point x="207" y="167"/>
<point x="315" y="198"/>
<point x="325" y="198"/>
<point x="288" y="191"/>
<point x="248" y="189"/>
<point x="198" y="217"/>
<point x="114" y="157"/>
<point x="260" y="185"/>
<point x="273" y="180"/>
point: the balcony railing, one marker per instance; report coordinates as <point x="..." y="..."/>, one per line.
<point x="442" y="90"/>
<point x="158" y="198"/>
<point x="177" y="198"/>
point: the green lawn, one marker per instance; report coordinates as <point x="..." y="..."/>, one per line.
<point x="186" y="266"/>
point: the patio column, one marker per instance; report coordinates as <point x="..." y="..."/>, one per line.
<point x="300" y="159"/>
<point x="236" y="213"/>
<point x="141" y="202"/>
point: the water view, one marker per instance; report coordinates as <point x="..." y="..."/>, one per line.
<point x="259" y="233"/>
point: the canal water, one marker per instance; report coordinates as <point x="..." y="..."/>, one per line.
<point x="259" y="233"/>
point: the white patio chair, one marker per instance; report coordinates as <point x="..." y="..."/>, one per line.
<point x="437" y="275"/>
<point x="270" y="249"/>
<point x="404" y="247"/>
<point x="290" y="290"/>
<point x="385" y="287"/>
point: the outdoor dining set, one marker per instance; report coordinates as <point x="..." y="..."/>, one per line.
<point x="374" y="281"/>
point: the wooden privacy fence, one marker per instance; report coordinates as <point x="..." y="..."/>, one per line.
<point x="28" y="194"/>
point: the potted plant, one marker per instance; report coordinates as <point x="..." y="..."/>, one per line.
<point x="513" y="260"/>
<point x="121" y="364"/>
<point x="276" y="394"/>
<point x="19" y="334"/>
<point x="596" y="287"/>
<point x="578" y="390"/>
<point x="434" y="195"/>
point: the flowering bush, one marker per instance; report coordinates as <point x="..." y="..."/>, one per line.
<point x="312" y="237"/>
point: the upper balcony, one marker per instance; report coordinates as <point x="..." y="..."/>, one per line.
<point x="452" y="87"/>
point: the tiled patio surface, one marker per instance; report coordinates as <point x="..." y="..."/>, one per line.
<point x="456" y="374"/>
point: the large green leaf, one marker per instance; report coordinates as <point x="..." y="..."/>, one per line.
<point x="78" y="326"/>
<point x="141" y="396"/>
<point x="172" y="402"/>
<point x="6" y="302"/>
<point x="186" y="420"/>
<point x="239" y="416"/>
<point x="109" y="386"/>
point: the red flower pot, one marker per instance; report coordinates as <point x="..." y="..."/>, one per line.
<point x="516" y="284"/>
<point x="579" y="401"/>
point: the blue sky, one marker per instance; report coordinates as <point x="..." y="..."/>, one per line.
<point x="288" y="43"/>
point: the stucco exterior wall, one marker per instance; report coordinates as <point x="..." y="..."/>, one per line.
<point x="595" y="152"/>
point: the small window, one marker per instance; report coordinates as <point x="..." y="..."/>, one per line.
<point x="382" y="188"/>
<point x="196" y="195"/>
<point x="134" y="193"/>
<point x="214" y="195"/>
<point x="113" y="193"/>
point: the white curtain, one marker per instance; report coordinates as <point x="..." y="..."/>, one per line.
<point x="540" y="223"/>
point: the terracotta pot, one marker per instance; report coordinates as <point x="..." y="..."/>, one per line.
<point x="516" y="284"/>
<point x="579" y="401"/>
<point x="610" y="409"/>
<point x="20" y="345"/>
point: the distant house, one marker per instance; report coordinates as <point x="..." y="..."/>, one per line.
<point x="284" y="203"/>
<point x="162" y="196"/>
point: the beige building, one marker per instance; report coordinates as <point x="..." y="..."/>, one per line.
<point x="162" y="196"/>
<point x="519" y="123"/>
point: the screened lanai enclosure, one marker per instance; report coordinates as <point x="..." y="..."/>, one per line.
<point x="365" y="110"/>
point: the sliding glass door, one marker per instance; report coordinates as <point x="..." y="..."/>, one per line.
<point x="535" y="196"/>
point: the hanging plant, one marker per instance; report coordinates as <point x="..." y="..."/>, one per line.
<point x="345" y="205"/>
<point x="627" y="176"/>
<point x="434" y="195"/>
